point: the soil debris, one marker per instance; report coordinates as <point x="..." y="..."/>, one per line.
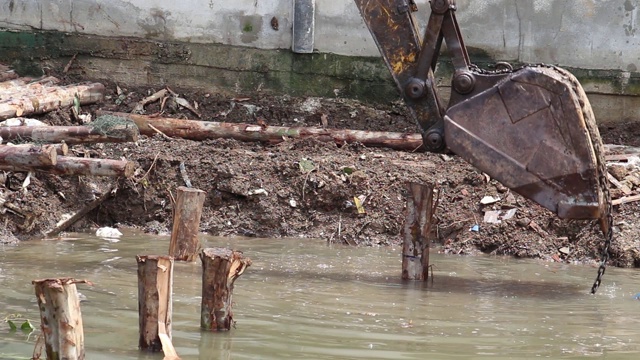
<point x="306" y="188"/>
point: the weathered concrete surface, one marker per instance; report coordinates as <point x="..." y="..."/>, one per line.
<point x="575" y="33"/>
<point x="244" y="45"/>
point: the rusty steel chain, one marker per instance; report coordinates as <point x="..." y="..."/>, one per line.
<point x="606" y="221"/>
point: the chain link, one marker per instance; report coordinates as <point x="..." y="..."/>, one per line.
<point x="606" y="221"/>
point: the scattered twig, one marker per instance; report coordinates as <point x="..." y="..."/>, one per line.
<point x="155" y="158"/>
<point x="139" y="108"/>
<point x="184" y="103"/>
<point x="626" y="199"/>
<point x="66" y="68"/>
<point x="625" y="189"/>
<point x="164" y="136"/>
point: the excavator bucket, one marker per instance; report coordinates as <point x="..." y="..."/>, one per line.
<point x="535" y="132"/>
<point x="532" y="129"/>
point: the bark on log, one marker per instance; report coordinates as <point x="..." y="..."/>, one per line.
<point x="202" y="130"/>
<point x="220" y="269"/>
<point x="187" y="212"/>
<point x="61" y="149"/>
<point x="421" y="208"/>
<point x="28" y="156"/>
<point x="44" y="99"/>
<point x="69" y="165"/>
<point x="61" y="319"/>
<point x="68" y="134"/>
<point x="155" y="289"/>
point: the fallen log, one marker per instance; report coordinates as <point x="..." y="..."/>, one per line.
<point x="28" y="156"/>
<point x="69" y="134"/>
<point x="202" y="130"/>
<point x="69" y="165"/>
<point x="48" y="98"/>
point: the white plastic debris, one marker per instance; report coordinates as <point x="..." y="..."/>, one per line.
<point x="293" y="203"/>
<point x="108" y="233"/>
<point x="488" y="200"/>
<point x="258" y="192"/>
<point x="496" y="217"/>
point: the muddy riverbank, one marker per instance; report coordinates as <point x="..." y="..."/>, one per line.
<point x="303" y="188"/>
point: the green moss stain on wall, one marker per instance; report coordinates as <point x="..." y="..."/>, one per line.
<point x="217" y="66"/>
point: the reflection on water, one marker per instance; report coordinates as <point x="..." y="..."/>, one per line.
<point x="304" y="299"/>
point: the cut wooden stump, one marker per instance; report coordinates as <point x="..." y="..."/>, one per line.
<point x="421" y="208"/>
<point x="68" y="165"/>
<point x="187" y="212"/>
<point x="220" y="269"/>
<point x="202" y="130"/>
<point x="61" y="319"/>
<point x="40" y="99"/>
<point x="155" y="289"/>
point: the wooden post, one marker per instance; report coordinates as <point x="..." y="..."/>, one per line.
<point x="421" y="208"/>
<point x="155" y="289"/>
<point x="187" y="211"/>
<point x="61" y="320"/>
<point x="220" y="269"/>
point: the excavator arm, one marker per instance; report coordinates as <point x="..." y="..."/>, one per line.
<point x="531" y="128"/>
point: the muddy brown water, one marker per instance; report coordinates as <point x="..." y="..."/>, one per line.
<point x="304" y="299"/>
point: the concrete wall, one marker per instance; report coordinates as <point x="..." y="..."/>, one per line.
<point x="590" y="34"/>
<point x="598" y="40"/>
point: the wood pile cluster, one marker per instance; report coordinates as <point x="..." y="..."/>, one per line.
<point x="46" y="148"/>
